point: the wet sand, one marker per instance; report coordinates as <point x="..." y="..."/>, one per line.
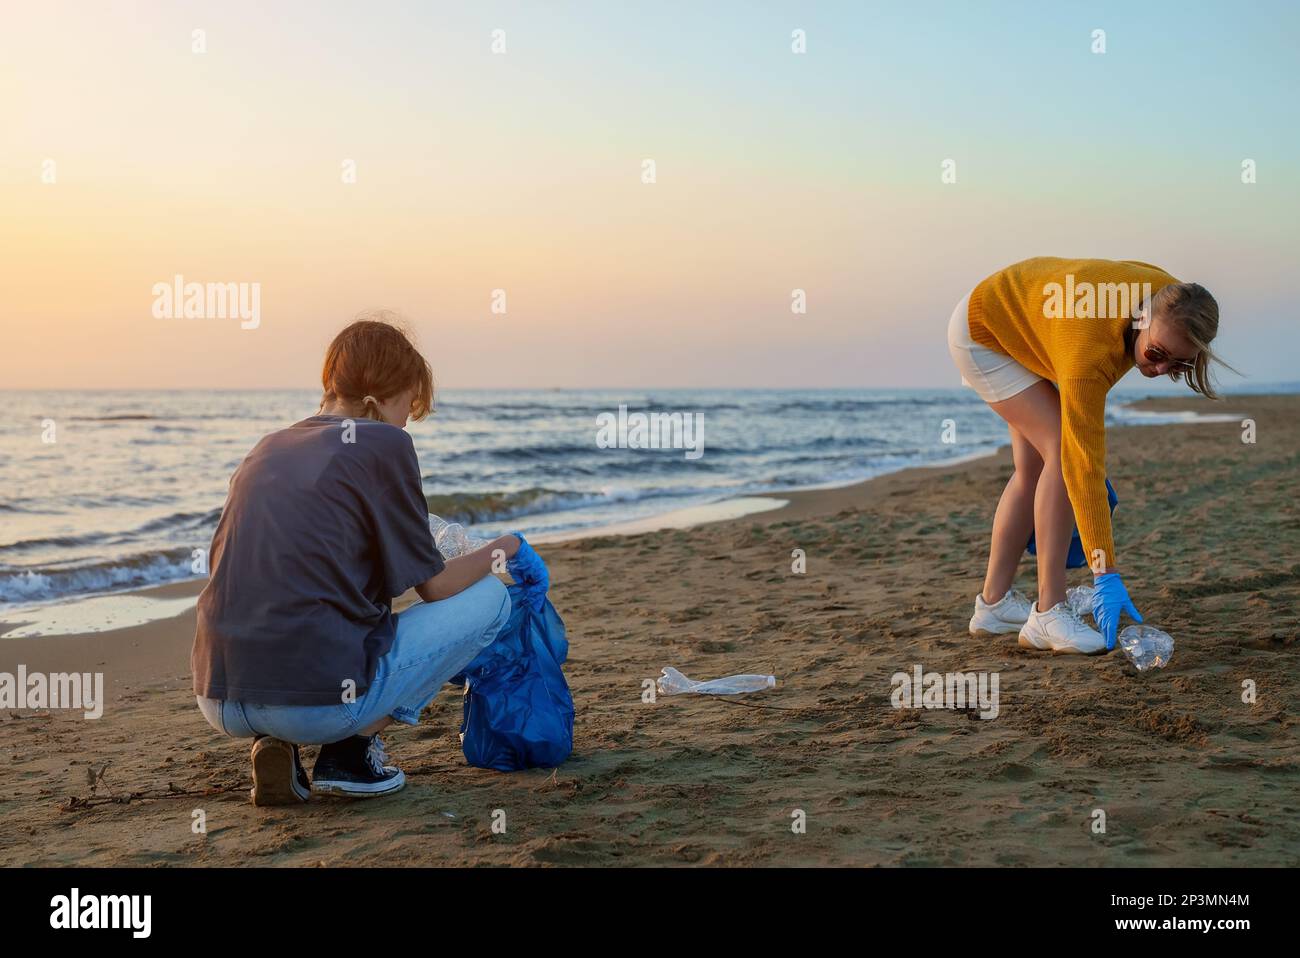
<point x="1184" y="770"/>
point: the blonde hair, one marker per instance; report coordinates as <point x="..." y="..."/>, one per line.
<point x="1195" y="313"/>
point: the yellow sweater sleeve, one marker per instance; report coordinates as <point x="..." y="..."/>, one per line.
<point x="1083" y="464"/>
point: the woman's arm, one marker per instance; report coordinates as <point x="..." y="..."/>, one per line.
<point x="1083" y="466"/>
<point x="1083" y="463"/>
<point x="463" y="571"/>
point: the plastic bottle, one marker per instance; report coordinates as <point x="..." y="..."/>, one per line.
<point x="673" y="682"/>
<point x="451" y="538"/>
<point x="1146" y="647"/>
<point x="1080" y="599"/>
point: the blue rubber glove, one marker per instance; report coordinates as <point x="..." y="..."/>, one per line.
<point x="528" y="569"/>
<point x="1109" y="602"/>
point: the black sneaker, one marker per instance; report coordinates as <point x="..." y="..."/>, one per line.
<point x="355" y="768"/>
<point x="278" y="775"/>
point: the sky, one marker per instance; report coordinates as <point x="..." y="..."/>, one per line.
<point x="128" y="157"/>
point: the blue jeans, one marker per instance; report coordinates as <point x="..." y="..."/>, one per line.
<point x="434" y="641"/>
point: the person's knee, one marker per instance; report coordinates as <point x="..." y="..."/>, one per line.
<point x="1045" y="444"/>
<point x="1051" y="461"/>
<point x="496" y="599"/>
<point x="1027" y="472"/>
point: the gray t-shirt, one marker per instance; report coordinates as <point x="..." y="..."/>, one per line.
<point x="317" y="537"/>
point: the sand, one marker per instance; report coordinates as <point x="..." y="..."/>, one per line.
<point x="1185" y="772"/>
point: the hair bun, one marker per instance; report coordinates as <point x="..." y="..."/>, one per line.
<point x="368" y="359"/>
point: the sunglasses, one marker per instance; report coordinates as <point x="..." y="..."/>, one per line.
<point x="1155" y="353"/>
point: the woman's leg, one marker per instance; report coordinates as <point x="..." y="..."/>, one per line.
<point x="435" y="640"/>
<point x="1035" y="413"/>
<point x="1014" y="520"/>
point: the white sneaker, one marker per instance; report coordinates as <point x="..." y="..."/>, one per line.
<point x="1008" y="614"/>
<point x="1060" y="629"/>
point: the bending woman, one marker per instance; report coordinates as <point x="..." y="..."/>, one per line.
<point x="1042" y="342"/>
<point x="324" y="524"/>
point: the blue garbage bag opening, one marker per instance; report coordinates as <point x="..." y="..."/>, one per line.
<point x="1075" y="559"/>
<point x="518" y="709"/>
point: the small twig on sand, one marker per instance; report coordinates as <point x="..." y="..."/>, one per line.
<point x="95" y="779"/>
<point x="553" y="781"/>
<point x="76" y="803"/>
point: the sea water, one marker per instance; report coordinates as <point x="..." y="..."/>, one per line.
<point x="104" y="491"/>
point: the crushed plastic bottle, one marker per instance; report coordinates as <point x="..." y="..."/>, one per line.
<point x="1146" y="647"/>
<point x="673" y="682"/>
<point x="451" y="538"/>
<point x="1080" y="599"/>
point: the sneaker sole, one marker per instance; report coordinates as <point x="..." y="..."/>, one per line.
<point x="983" y="633"/>
<point x="1026" y="644"/>
<point x="358" y="790"/>
<point x="275" y="780"/>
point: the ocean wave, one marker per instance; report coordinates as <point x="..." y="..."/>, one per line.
<point x="665" y="462"/>
<point x="183" y="520"/>
<point x="514" y="412"/>
<point x="175" y="522"/>
<point x="842" y="404"/>
<point x="25" y="545"/>
<point x="474" y="508"/>
<point x="576" y="453"/>
<point x="529" y="410"/>
<point x="115" y="500"/>
<point x="477" y="507"/>
<point x="539" y="451"/>
<point x="131" y="572"/>
<point x="121" y="417"/>
<point x="833" y="442"/>
<point x="1127" y="416"/>
<point x="685" y="403"/>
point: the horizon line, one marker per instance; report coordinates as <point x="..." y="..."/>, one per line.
<point x="522" y="389"/>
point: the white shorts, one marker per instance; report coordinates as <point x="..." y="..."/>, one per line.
<point x="994" y="376"/>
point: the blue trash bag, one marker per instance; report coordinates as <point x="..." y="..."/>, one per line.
<point x="518" y="710"/>
<point x="1075" y="559"/>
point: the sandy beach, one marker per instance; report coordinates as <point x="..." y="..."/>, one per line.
<point x="1186" y="773"/>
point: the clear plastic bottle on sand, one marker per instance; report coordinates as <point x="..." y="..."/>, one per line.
<point x="1146" y="647"/>
<point x="673" y="682"/>
<point x="451" y="538"/>
<point x="1080" y="599"/>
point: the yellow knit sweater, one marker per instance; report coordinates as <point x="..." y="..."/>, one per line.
<point x="1065" y="319"/>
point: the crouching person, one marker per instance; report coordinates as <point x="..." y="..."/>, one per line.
<point x="324" y="525"/>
